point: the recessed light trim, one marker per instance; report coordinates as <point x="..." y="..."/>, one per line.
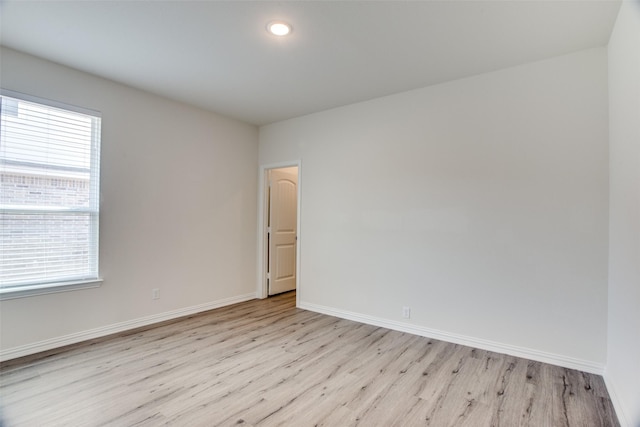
<point x="279" y="28"/>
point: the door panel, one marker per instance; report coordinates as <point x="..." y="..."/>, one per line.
<point x="283" y="218"/>
<point x="285" y="267"/>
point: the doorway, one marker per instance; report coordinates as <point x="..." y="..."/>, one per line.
<point x="280" y="231"/>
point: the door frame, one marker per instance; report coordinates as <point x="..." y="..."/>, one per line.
<point x="263" y="188"/>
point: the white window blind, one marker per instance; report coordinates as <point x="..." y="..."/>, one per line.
<point x="49" y="192"/>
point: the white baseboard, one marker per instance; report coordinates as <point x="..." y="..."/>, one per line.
<point x="52" y="343"/>
<point x="527" y="353"/>
<point x="617" y="403"/>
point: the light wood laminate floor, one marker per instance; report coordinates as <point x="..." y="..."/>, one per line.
<point x="266" y="363"/>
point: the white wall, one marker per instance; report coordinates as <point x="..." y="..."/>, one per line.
<point x="178" y="208"/>
<point x="480" y="203"/>
<point x="623" y="358"/>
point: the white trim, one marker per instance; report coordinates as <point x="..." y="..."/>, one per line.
<point x="261" y="286"/>
<point x="24" y="291"/>
<point x="617" y="403"/>
<point x="53" y="343"/>
<point x="527" y="353"/>
<point x="262" y="189"/>
<point x="299" y="234"/>
<point x="49" y="102"/>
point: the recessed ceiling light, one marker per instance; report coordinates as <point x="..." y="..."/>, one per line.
<point x="279" y="28"/>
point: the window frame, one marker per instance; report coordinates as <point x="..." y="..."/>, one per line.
<point x="92" y="281"/>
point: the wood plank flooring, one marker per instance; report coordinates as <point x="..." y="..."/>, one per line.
<point x="266" y="363"/>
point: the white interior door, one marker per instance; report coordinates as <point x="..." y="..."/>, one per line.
<point x="282" y="230"/>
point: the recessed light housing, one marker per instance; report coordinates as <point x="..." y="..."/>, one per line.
<point x="279" y="28"/>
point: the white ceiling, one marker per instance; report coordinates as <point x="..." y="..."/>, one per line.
<point x="217" y="54"/>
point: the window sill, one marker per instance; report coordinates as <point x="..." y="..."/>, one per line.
<point x="49" y="288"/>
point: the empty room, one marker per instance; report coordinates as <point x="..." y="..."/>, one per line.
<point x="305" y="213"/>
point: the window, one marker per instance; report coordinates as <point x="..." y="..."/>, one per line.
<point x="49" y="193"/>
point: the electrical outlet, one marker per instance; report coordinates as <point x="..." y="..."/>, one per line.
<point x="155" y="293"/>
<point x="406" y="312"/>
